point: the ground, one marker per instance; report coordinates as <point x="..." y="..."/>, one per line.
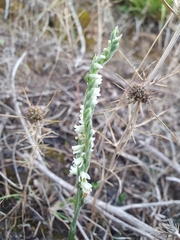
<point x="45" y="52"/>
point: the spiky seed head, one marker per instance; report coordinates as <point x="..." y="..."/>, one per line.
<point x="34" y="114"/>
<point x="138" y="93"/>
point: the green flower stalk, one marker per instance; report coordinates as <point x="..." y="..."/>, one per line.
<point x="85" y="132"/>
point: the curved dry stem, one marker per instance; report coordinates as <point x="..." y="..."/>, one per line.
<point x="173" y="164"/>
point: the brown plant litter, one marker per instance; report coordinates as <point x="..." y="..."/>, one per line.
<point x="136" y="162"/>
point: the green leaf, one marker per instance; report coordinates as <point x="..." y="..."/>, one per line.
<point x="122" y="197"/>
<point x="95" y="184"/>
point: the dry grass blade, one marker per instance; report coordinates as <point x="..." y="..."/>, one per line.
<point x="164" y="125"/>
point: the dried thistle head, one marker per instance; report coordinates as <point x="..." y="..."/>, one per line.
<point x="138" y="93"/>
<point x="34" y="114"/>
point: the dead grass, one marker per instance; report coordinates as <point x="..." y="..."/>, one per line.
<point x="44" y="55"/>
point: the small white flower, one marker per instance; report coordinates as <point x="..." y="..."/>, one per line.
<point x="86" y="188"/>
<point x="94" y="100"/>
<point x="78" y="148"/>
<point x="84" y="176"/>
<point x="73" y="170"/>
<point x="81" y="121"/>
<point x="79" y="129"/>
<point x="81" y="111"/>
<point x="92" y="141"/>
<point x="78" y="161"/>
<point x="94" y="76"/>
<point x="97" y="92"/>
<point x="82" y="108"/>
<point x="81" y="115"/>
<point x="93" y="132"/>
<point x="97" y="65"/>
<point x="101" y="56"/>
<point x="99" y="81"/>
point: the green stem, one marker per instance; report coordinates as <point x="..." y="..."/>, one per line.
<point x="93" y="79"/>
<point x="77" y="208"/>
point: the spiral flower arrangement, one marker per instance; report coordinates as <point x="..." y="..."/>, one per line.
<point x="85" y="132"/>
